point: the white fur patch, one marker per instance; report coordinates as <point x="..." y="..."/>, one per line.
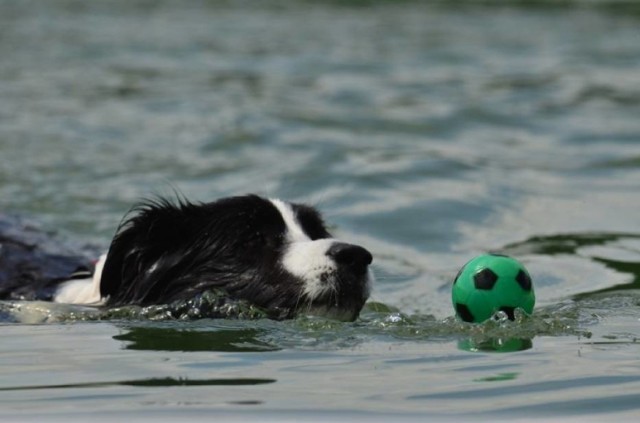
<point x="82" y="291"/>
<point x="309" y="261"/>
<point x="295" y="233"/>
<point x="305" y="258"/>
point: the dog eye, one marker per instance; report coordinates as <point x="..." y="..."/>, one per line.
<point x="314" y="228"/>
<point x="311" y="222"/>
<point x="275" y="240"/>
<point x="266" y="238"/>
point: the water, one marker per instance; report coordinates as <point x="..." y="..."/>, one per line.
<point x="426" y="132"/>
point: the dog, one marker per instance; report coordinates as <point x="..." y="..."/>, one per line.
<point x="276" y="255"/>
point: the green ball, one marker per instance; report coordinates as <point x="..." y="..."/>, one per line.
<point x="490" y="283"/>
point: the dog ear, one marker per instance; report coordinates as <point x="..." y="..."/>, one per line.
<point x="159" y="247"/>
<point x="114" y="268"/>
<point x="135" y="246"/>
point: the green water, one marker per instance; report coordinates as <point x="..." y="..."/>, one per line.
<point x="427" y="132"/>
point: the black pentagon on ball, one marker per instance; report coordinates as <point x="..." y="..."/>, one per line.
<point x="464" y="312"/>
<point x="524" y="280"/>
<point x="509" y="311"/>
<point x="485" y="279"/>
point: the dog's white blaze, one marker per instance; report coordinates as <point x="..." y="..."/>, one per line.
<point x="309" y="261"/>
<point x="295" y="233"/>
<point x="305" y="258"/>
<point x="82" y="291"/>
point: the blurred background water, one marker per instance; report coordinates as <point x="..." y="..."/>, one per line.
<point x="427" y="131"/>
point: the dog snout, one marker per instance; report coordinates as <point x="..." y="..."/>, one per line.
<point x="352" y="256"/>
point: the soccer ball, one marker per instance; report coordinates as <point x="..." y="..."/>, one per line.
<point x="490" y="283"/>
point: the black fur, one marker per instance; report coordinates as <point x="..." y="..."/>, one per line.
<point x="174" y="250"/>
<point x="165" y="252"/>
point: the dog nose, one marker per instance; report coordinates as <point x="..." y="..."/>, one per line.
<point x="350" y="255"/>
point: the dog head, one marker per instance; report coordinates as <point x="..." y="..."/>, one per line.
<point x="276" y="255"/>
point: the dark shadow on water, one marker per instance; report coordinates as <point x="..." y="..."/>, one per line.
<point x="185" y="339"/>
<point x="621" y="267"/>
<point x="564" y="243"/>
<point x="569" y="244"/>
<point x="151" y="382"/>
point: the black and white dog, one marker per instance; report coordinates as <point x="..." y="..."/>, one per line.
<point x="276" y="255"/>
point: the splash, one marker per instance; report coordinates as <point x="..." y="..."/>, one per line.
<point x="213" y="312"/>
<point x="210" y="304"/>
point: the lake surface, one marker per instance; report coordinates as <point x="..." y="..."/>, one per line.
<point x="428" y="133"/>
